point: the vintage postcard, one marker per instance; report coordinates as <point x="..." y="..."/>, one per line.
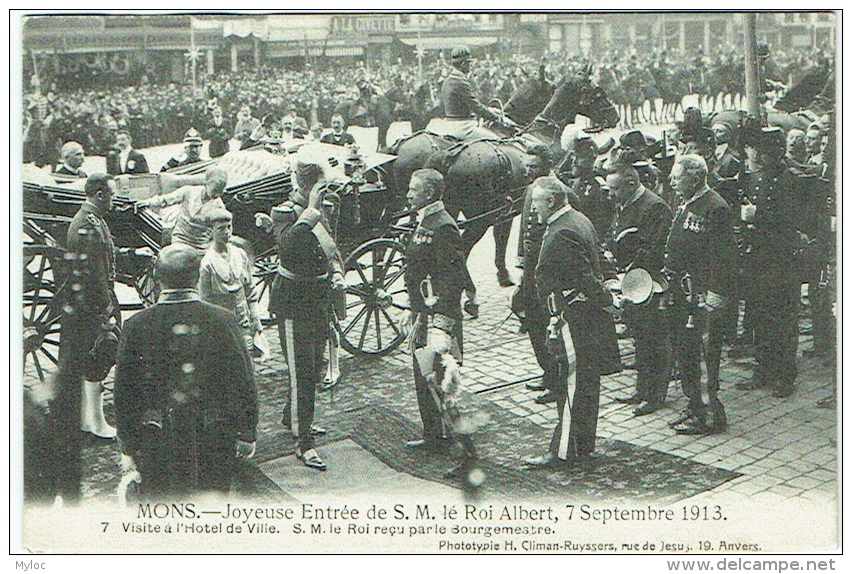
<point x="428" y="283"/>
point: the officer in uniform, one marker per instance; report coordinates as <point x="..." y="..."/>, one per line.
<point x="89" y="317"/>
<point x="192" y="148"/>
<point x="728" y="171"/>
<point x="774" y="277"/>
<point x="637" y="239"/>
<point x="461" y="106"/>
<point x="820" y="232"/>
<point x="300" y="297"/>
<point x="569" y="278"/>
<point x="700" y="267"/>
<point x="434" y="278"/>
<point x="727" y="177"/>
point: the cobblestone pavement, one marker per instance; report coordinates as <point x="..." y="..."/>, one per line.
<point x="785" y="449"/>
<point x="782" y="447"/>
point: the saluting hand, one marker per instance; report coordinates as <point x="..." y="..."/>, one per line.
<point x="318" y="191"/>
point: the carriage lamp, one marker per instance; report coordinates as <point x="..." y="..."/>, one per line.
<point x="354" y="165"/>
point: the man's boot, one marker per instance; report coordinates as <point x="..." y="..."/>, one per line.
<point x="92" y="411"/>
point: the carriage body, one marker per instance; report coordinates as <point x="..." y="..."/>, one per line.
<point x="258" y="182"/>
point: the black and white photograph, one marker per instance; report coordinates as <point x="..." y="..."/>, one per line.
<point x="427" y="282"/>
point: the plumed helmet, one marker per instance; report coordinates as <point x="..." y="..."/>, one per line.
<point x="460" y="54"/>
<point x="192" y="137"/>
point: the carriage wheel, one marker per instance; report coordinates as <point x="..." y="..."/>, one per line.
<point x="145" y="284"/>
<point x="44" y="291"/>
<point x="265" y="268"/>
<point x="375" y="298"/>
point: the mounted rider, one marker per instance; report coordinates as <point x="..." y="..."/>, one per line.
<point x="461" y="106"/>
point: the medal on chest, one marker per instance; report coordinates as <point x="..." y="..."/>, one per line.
<point x="694" y="223"/>
<point x="422" y="236"/>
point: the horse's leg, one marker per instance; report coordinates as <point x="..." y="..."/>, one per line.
<point x="501" y="242"/>
<point x="471" y="236"/>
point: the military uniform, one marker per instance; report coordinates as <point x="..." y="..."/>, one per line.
<point x="91" y="303"/>
<point x="434" y="252"/>
<point x="300" y="298"/>
<point x="822" y="257"/>
<point x="461" y="108"/>
<point x="568" y="264"/>
<point x="645" y="249"/>
<point x="727" y="178"/>
<point x="701" y="255"/>
<point x="774" y="277"/>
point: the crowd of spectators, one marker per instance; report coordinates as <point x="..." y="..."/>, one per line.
<point x="157" y="113"/>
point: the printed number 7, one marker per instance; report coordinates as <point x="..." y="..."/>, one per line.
<point x="105" y="526"/>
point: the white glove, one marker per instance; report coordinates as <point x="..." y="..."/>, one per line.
<point x="714" y="301"/>
<point x="262" y="220"/>
<point x="144" y="252"/>
<point x="245" y="449"/>
<point x="439" y="341"/>
<point x="126" y="464"/>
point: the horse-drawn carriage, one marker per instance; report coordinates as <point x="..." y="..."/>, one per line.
<point x="368" y="237"/>
<point x="486" y="179"/>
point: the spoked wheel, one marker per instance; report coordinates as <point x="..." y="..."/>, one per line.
<point x="44" y="292"/>
<point x="375" y="298"/>
<point x="145" y="284"/>
<point x="265" y="268"/>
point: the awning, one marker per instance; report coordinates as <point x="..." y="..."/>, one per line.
<point x="245" y="28"/>
<point x="337" y="50"/>
<point x="298" y="29"/>
<point x="291" y="49"/>
<point x="450" y="42"/>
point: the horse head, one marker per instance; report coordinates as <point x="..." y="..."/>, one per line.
<point x="530" y="97"/>
<point x="580" y="94"/>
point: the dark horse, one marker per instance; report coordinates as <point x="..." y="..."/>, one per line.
<point x="482" y="175"/>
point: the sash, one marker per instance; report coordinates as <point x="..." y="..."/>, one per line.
<point x="326" y="241"/>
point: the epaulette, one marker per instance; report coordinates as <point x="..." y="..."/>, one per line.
<point x="283" y="212"/>
<point x="93" y="219"/>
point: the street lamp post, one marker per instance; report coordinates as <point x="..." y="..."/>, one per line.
<point x="751" y="71"/>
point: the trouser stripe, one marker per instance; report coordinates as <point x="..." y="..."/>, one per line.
<point x="570" y="352"/>
<point x="294" y="384"/>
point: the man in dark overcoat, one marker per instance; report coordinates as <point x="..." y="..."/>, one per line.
<point x="185" y="396"/>
<point x="637" y="239"/>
